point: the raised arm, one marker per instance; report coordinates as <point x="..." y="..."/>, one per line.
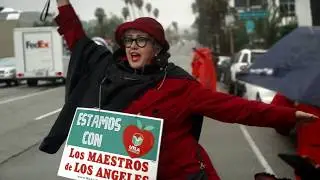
<point x="62" y="2"/>
<point x="69" y="23"/>
<point x="231" y="109"/>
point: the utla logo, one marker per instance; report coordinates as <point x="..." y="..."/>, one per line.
<point x="138" y="140"/>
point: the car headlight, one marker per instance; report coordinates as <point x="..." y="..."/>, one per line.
<point x="244" y="68"/>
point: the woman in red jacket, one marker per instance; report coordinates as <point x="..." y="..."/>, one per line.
<point x="138" y="79"/>
<point x="308" y="135"/>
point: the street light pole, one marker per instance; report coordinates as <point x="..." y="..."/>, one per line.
<point x="229" y="23"/>
<point x="248" y="9"/>
<point x="231" y="40"/>
<point x="248" y="5"/>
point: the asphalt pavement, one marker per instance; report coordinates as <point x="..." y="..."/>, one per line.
<point x="28" y="113"/>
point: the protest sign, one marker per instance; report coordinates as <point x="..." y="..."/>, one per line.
<point x="111" y="145"/>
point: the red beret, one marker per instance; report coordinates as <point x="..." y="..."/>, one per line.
<point x="147" y="25"/>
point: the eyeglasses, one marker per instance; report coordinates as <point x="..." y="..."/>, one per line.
<point x="140" y="41"/>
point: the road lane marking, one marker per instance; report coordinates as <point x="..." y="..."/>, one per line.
<point x="47" y="114"/>
<point x="256" y="150"/>
<point x="26" y="96"/>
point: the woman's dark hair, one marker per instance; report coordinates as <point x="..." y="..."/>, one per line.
<point x="162" y="59"/>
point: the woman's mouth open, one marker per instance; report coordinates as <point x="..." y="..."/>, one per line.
<point x="135" y="57"/>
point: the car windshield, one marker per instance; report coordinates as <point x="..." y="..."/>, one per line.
<point x="5" y="62"/>
<point x="255" y="55"/>
<point x="223" y="60"/>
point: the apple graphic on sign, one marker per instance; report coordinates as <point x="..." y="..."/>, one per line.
<point x="138" y="140"/>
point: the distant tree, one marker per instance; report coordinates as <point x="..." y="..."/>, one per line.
<point x="111" y="24"/>
<point x="286" y="29"/>
<point x="194" y="8"/>
<point x="149" y="8"/>
<point x="101" y="16"/>
<point x="156" y="13"/>
<point x="209" y="21"/>
<point x="130" y="3"/>
<point x="139" y="5"/>
<point x="169" y="35"/>
<point x="268" y="28"/>
<point x="102" y="26"/>
<point x="125" y="13"/>
<point x="241" y="38"/>
<point x="175" y="26"/>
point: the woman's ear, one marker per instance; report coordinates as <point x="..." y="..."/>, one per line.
<point x="157" y="49"/>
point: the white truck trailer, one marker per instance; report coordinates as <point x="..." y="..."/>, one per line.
<point x="40" y="55"/>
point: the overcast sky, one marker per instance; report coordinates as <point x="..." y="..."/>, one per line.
<point x="170" y="10"/>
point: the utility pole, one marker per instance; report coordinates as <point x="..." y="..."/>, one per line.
<point x="248" y="9"/>
<point x="229" y="23"/>
<point x="247" y="5"/>
<point x="231" y="40"/>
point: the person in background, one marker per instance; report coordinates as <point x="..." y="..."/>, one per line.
<point x="138" y="79"/>
<point x="203" y="68"/>
<point x="308" y="135"/>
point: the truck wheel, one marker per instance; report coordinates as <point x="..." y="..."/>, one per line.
<point x="8" y="83"/>
<point x="239" y="90"/>
<point x="32" y="83"/>
<point x="63" y="81"/>
<point x="16" y="82"/>
<point x="231" y="88"/>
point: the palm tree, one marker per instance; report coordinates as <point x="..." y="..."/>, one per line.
<point x="156" y="13"/>
<point x="126" y="2"/>
<point x="169" y="34"/>
<point x="194" y="8"/>
<point x="175" y="26"/>
<point x="209" y="20"/>
<point x="100" y="15"/>
<point x="139" y="5"/>
<point x="129" y="3"/>
<point x="125" y="13"/>
<point x="268" y="28"/>
<point x="149" y="8"/>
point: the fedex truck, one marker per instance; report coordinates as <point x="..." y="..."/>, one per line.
<point x="40" y="54"/>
